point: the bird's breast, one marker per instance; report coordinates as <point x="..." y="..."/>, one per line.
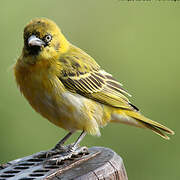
<point x="41" y="88"/>
<point x="47" y="95"/>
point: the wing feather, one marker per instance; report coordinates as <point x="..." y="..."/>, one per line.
<point x="90" y="81"/>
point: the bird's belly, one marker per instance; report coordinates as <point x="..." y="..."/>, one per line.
<point x="48" y="96"/>
<point x="67" y="110"/>
<point x="74" y="112"/>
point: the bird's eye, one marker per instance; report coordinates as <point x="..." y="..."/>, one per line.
<point x="48" y="38"/>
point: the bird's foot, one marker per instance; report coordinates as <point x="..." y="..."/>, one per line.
<point x="52" y="152"/>
<point x="70" y="153"/>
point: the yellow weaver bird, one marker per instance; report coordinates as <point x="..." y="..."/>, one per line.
<point x="66" y="85"/>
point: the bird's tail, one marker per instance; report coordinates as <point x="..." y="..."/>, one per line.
<point x="136" y="119"/>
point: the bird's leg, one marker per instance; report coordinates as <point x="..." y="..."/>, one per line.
<point x="71" y="150"/>
<point x="76" y="144"/>
<point x="60" y="144"/>
<point x="60" y="152"/>
<point x="58" y="147"/>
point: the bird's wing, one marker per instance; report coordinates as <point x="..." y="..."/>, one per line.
<point x="82" y="75"/>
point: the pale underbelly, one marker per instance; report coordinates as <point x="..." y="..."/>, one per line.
<point x="69" y="111"/>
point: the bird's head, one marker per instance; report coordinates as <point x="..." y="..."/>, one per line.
<point x="43" y="40"/>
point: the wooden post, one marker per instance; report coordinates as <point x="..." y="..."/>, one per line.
<point x="99" y="163"/>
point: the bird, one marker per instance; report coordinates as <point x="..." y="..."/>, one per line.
<point x="67" y="86"/>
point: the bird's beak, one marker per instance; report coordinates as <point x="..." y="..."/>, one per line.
<point x="34" y="41"/>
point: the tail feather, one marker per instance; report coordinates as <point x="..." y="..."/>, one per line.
<point x="136" y="119"/>
<point x="156" y="130"/>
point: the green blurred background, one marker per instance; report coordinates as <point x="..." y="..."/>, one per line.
<point x="138" y="42"/>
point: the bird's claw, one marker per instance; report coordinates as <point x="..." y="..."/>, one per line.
<point x="52" y="152"/>
<point x="71" y="152"/>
